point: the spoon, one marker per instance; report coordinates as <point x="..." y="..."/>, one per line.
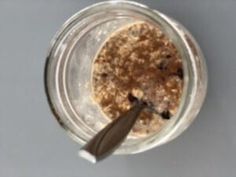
<point x="105" y="142"/>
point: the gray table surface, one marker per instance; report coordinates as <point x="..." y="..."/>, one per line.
<point x="33" y="145"/>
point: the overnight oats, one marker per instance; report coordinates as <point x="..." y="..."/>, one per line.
<point x="116" y="50"/>
<point x="140" y="60"/>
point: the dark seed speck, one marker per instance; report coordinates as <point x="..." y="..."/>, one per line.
<point x="163" y="65"/>
<point x="104" y="75"/>
<point x="168" y="56"/>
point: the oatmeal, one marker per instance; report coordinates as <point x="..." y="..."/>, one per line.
<point x="139" y="59"/>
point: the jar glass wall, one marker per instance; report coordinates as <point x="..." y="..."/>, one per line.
<point x="70" y="59"/>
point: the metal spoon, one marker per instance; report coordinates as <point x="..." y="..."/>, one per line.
<point x="109" y="138"/>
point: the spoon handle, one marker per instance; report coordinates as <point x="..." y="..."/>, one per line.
<point x="109" y="138"/>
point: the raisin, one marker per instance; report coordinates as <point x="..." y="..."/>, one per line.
<point x="166" y="115"/>
<point x="180" y="73"/>
<point x="132" y="98"/>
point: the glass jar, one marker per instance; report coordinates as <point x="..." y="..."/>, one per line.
<point x="69" y="62"/>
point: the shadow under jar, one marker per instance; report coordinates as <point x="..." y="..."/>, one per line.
<point x="69" y="67"/>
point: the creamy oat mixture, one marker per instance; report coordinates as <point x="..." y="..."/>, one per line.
<point x="139" y="60"/>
